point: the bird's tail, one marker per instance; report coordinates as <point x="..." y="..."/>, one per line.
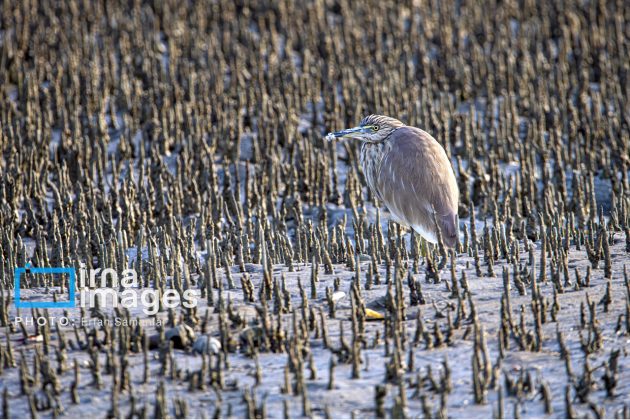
<point x="449" y="225"/>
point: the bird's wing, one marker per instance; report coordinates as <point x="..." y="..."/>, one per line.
<point x="415" y="178"/>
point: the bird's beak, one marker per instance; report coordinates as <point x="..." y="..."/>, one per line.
<point x="350" y="132"/>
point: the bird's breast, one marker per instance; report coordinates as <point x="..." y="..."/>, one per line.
<point x="371" y="157"/>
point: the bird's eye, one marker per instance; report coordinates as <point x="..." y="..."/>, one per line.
<point x="375" y="127"/>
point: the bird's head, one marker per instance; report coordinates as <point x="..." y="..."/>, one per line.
<point x="372" y="129"/>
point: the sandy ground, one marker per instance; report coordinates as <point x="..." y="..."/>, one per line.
<point x="355" y="397"/>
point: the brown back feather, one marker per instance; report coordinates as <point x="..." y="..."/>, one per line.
<point x="415" y="177"/>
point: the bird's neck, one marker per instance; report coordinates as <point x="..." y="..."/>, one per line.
<point x="371" y="156"/>
<point x="372" y="151"/>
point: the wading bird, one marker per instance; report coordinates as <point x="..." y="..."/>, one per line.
<point x="408" y="171"/>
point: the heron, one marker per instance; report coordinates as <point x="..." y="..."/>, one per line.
<point x="409" y="171"/>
